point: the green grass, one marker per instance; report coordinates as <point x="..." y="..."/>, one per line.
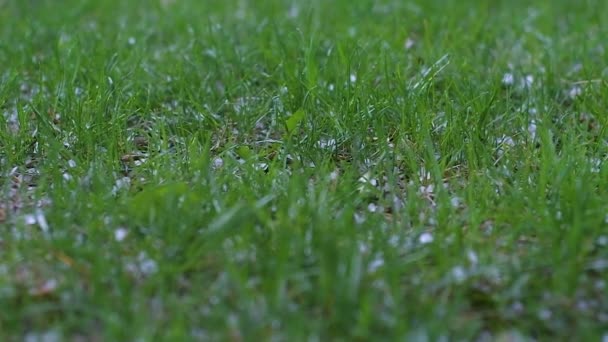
<point x="303" y="170"/>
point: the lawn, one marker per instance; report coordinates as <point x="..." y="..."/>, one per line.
<point x="290" y="170"/>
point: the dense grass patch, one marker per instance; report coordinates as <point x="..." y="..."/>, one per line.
<point x="303" y="170"/>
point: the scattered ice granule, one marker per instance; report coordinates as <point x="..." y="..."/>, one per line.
<point x="397" y="202"/>
<point x="366" y="179"/>
<point x="47" y="336"/>
<point x="375" y="264"/>
<point x="24" y="88"/>
<point x="372" y="207"/>
<point x="517" y="307"/>
<point x="421" y="216"/>
<point x="528" y="81"/>
<point x="363" y="247"/>
<point x="507" y="140"/>
<point x="78" y="91"/>
<point x="599" y="284"/>
<point x="294" y="11"/>
<point x="425" y="238"/>
<point x="329" y="144"/>
<point x="210" y="53"/>
<point x="107" y="220"/>
<point x="427" y="189"/>
<point x="47" y="287"/>
<point x="459" y="273"/>
<point x="582" y="305"/>
<point x="121" y="183"/>
<point x="472" y="256"/>
<point x="147" y="266"/>
<point x="373" y="182"/>
<point x="261" y="167"/>
<point x="120" y="234"/>
<point x="508" y="79"/>
<point x="359" y="219"/>
<point x="504" y="143"/>
<point x="544" y="314"/>
<point x="575" y="92"/>
<point x="333" y="176"/>
<point x="29" y="219"/>
<point x="200" y="334"/>
<point x="71" y="163"/>
<point x="605" y="337"/>
<point x="455" y="201"/>
<point x="64" y="38"/>
<point x="599" y="265"/>
<point x="532" y="129"/>
<point x="596" y="165"/>
<point x="218" y="162"/>
<point x="602" y="240"/>
<point x="331" y="87"/>
<point x="409" y="43"/>
<point x="131" y="41"/>
<point x="353" y="78"/>
<point x="487" y="226"/>
<point x="424" y="175"/>
<point x="352" y="31"/>
<point x="67" y="176"/>
<point x="575" y="68"/>
<point x="558" y="215"/>
<point x="284" y="90"/>
<point x="394" y="240"/>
